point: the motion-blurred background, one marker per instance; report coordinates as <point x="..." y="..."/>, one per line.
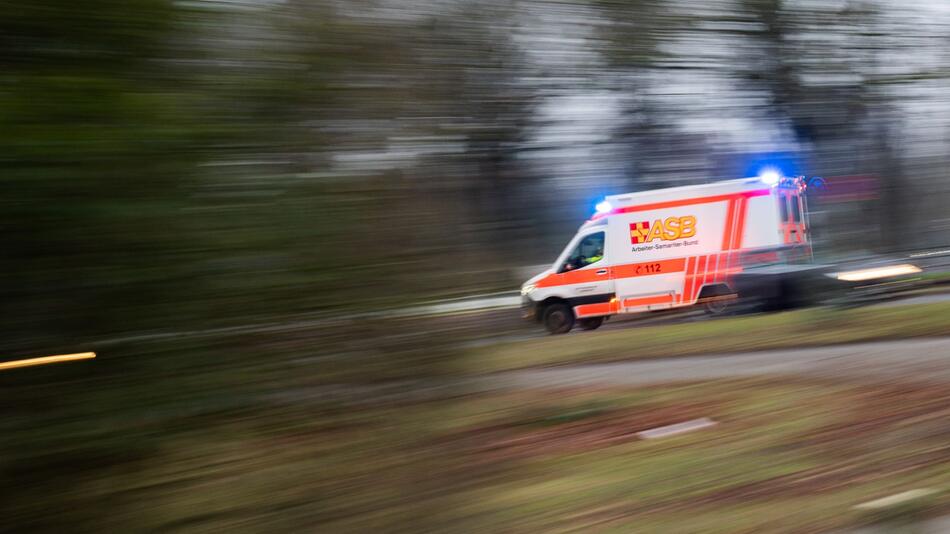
<point x="222" y="197"/>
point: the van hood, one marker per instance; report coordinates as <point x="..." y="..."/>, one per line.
<point x="534" y="279"/>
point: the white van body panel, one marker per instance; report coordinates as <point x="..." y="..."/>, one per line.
<point x="663" y="247"/>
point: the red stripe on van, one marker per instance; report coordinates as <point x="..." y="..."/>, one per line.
<point x="688" y="280"/>
<point x="698" y="277"/>
<point x="730" y="217"/>
<point x="740" y="225"/>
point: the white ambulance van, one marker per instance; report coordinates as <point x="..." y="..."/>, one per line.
<point x="669" y="248"/>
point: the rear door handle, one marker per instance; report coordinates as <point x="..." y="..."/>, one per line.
<point x="601" y="272"/>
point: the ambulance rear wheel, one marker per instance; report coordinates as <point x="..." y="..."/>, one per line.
<point x="558" y="318"/>
<point x="590" y="324"/>
<point x="716" y="307"/>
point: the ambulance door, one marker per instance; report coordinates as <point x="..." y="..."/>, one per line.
<point x="800" y="217"/>
<point x="794" y="227"/>
<point x="582" y="274"/>
<point x="792" y="211"/>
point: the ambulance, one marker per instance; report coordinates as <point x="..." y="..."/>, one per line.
<point x="670" y="248"/>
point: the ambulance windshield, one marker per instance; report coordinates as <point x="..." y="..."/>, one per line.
<point x="589" y="251"/>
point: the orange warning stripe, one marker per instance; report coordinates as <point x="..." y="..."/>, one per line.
<point x="577" y="276"/>
<point x="703" y="270"/>
<point x="740" y="224"/>
<point x="730" y="217"/>
<point x="600" y="308"/>
<point x="648" y="301"/>
<point x="612" y="307"/>
<point x="632" y="270"/>
<point x="687" y="280"/>
<point x="698" y="276"/>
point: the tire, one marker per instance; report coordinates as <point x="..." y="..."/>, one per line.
<point x="590" y="324"/>
<point x="716" y="307"/>
<point x="716" y="299"/>
<point x="558" y="318"/>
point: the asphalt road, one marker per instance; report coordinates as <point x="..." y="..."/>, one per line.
<point x="916" y="359"/>
<point x="924" y="360"/>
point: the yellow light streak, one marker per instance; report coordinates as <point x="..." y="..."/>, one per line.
<point x="47" y="360"/>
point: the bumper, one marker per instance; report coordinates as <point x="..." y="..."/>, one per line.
<point x="529" y="309"/>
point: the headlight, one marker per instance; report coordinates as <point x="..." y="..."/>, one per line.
<point x="878" y="272"/>
<point x="527" y="289"/>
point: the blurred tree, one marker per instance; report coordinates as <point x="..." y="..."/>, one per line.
<point x="182" y="164"/>
<point x="819" y="63"/>
<point x="96" y="151"/>
<point x="633" y="43"/>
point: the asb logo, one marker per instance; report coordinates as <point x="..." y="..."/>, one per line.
<point x="668" y="229"/>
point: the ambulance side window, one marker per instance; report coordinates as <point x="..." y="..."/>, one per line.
<point x="796" y="209"/>
<point x="589" y="251"/>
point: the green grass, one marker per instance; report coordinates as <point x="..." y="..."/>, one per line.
<point x="935" y="277"/>
<point x="803" y="328"/>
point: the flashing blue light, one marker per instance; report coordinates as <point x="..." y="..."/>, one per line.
<point x="784" y="163"/>
<point x="603" y="207"/>
<point x="770" y="176"/>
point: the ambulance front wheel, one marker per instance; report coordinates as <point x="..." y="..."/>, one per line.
<point x="590" y="324"/>
<point x="558" y="318"/>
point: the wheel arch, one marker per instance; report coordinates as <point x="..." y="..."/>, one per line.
<point x="549" y="301"/>
<point x="718" y="289"/>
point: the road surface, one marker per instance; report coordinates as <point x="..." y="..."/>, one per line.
<point x="911" y="360"/>
<point x="916" y="359"/>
